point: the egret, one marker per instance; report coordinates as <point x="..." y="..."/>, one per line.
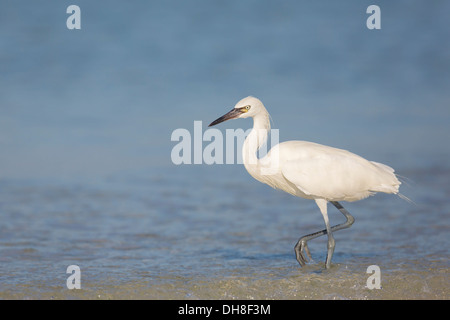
<point x="312" y="171"/>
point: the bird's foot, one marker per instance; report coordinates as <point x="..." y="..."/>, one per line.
<point x="300" y="249"/>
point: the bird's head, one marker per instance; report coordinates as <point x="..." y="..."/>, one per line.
<point x="247" y="107"/>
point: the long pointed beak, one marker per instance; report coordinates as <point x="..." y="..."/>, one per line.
<point x="233" y="114"/>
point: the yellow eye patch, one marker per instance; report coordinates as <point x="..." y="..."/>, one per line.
<point x="244" y="109"/>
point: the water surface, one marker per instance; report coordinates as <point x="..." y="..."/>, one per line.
<point x="86" y="176"/>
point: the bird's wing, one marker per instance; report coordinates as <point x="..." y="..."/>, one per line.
<point x="330" y="173"/>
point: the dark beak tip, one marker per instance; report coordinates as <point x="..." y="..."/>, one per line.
<point x="230" y="115"/>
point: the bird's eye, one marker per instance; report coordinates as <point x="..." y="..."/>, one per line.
<point x="247" y="107"/>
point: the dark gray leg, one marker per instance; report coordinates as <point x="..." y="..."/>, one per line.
<point x="301" y="247"/>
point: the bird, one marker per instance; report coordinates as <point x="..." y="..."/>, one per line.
<point x="312" y="171"/>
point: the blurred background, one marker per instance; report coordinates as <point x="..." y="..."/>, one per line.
<point x="86" y="118"/>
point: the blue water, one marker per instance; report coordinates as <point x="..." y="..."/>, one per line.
<point x="86" y="118"/>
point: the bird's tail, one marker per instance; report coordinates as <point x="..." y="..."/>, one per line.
<point x="404" y="180"/>
<point x="393" y="188"/>
<point x="402" y="196"/>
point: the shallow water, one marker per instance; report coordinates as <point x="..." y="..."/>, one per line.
<point x="86" y="176"/>
<point x="161" y="238"/>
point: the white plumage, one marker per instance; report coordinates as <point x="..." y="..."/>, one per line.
<point x="310" y="170"/>
<point x="333" y="174"/>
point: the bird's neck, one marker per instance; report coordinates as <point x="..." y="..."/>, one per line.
<point x="256" y="138"/>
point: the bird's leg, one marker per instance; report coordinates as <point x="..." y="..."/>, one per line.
<point x="348" y="216"/>
<point x="322" y="204"/>
<point x="302" y="246"/>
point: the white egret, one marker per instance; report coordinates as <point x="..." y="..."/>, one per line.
<point x="310" y="170"/>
